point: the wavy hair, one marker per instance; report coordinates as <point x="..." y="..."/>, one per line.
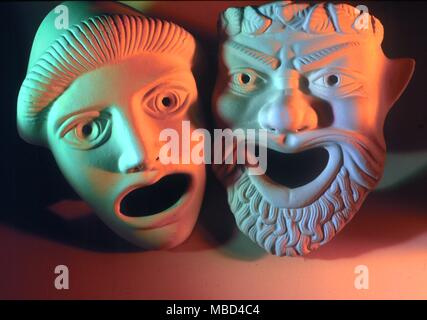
<point x="87" y="46"/>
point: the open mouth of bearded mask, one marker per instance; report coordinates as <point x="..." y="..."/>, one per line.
<point x="156" y="198"/>
<point x="294" y="170"/>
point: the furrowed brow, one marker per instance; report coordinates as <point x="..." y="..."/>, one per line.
<point x="305" y="60"/>
<point x="269" y="61"/>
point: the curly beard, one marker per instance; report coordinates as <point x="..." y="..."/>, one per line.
<point x="293" y="232"/>
<point x="297" y="231"/>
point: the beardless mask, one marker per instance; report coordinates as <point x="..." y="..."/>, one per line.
<point x="98" y="94"/>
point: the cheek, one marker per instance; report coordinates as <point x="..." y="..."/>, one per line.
<point x="232" y="109"/>
<point x="224" y="110"/>
<point x="70" y="161"/>
<point x="84" y="170"/>
<point x="355" y="114"/>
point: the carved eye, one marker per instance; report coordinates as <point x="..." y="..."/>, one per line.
<point x="245" y="81"/>
<point x="87" y="133"/>
<point x="329" y="80"/>
<point x="336" y="84"/>
<point x="166" y="101"/>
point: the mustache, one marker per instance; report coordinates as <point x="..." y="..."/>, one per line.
<point x="362" y="156"/>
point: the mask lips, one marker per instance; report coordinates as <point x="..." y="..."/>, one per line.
<point x="155" y="198"/>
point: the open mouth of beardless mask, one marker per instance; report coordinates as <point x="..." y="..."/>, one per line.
<point x="98" y="94"/>
<point x="315" y="79"/>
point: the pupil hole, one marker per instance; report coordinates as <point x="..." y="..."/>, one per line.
<point x="332" y="80"/>
<point x="166" y="101"/>
<point x="245" y="78"/>
<point x="87" y="129"/>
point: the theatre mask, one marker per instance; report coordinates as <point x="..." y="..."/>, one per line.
<point x="98" y="94"/>
<point x="315" y="78"/>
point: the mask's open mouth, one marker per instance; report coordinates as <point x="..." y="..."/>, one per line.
<point x="155" y="198"/>
<point x="294" y="170"/>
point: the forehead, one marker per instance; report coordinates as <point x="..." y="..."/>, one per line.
<point x="291" y="45"/>
<point x="120" y="81"/>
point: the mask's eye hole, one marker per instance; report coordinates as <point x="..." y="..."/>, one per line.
<point x="245" y="78"/>
<point x="332" y="80"/>
<point x="161" y="102"/>
<point x="86" y="133"/>
<point x="87" y="129"/>
<point x="337" y="84"/>
<point x="245" y="81"/>
<point x="167" y="102"/>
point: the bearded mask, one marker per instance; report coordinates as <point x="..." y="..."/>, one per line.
<point x="316" y="79"/>
<point x="98" y="94"/>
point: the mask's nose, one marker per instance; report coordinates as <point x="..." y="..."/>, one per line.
<point x="289" y="112"/>
<point x="136" y="152"/>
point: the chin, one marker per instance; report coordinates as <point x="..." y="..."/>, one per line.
<point x="166" y="237"/>
<point x="159" y="214"/>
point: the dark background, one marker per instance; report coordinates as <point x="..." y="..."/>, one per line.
<point x="30" y="178"/>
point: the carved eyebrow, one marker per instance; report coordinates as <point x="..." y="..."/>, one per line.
<point x="300" y="62"/>
<point x="64" y="120"/>
<point x="269" y="61"/>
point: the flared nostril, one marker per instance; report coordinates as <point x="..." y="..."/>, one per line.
<point x="131" y="162"/>
<point x="271" y="129"/>
<point x="283" y="127"/>
<point x="136" y="169"/>
<point x="304" y="128"/>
